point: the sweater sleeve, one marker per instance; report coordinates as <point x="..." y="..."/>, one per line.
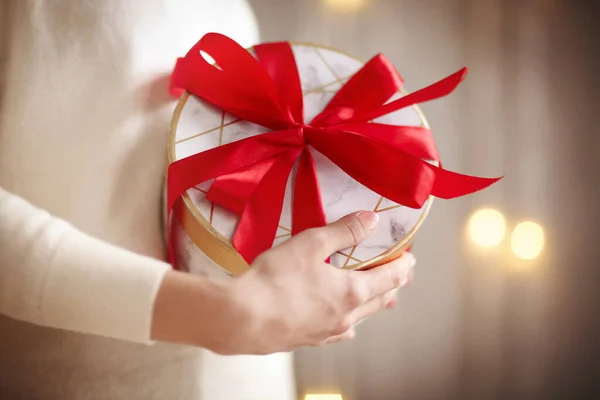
<point x="52" y="274"/>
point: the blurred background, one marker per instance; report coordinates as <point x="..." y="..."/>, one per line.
<point x="505" y="298"/>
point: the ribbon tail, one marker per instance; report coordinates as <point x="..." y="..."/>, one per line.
<point x="258" y="224"/>
<point x="170" y="247"/>
<point x="177" y="81"/>
<point x="233" y="191"/>
<point x="391" y="172"/>
<point x="449" y="184"/>
<point x="226" y="159"/>
<point x="307" y="211"/>
<point x="177" y="214"/>
<point x="191" y="171"/>
<point x="439" y="89"/>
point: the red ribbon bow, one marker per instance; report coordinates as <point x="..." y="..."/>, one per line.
<point x="251" y="174"/>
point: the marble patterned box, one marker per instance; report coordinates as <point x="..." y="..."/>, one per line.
<point x="202" y="231"/>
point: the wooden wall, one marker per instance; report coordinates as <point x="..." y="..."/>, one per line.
<point x="478" y="324"/>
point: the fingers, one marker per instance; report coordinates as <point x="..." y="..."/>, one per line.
<point x="346" y="232"/>
<point x="375" y="305"/>
<point x="380" y="280"/>
<point x="392" y="302"/>
<point x="348" y="335"/>
<point x="371" y="307"/>
<point x="392" y="297"/>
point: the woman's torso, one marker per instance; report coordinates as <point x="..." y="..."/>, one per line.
<point x="84" y="113"/>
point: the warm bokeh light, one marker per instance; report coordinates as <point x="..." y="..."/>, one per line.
<point x="487" y="227"/>
<point x="323" y="397"/>
<point x="346" y="5"/>
<point x="527" y="240"/>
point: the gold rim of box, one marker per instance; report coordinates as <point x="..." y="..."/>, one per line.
<point x="219" y="248"/>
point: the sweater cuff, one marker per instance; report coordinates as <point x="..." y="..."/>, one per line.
<point x="97" y="288"/>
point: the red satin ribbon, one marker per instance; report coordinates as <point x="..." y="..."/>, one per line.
<point x="251" y="174"/>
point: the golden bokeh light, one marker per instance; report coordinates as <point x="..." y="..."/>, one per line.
<point x="487" y="227"/>
<point x="346" y="5"/>
<point x="527" y="240"/>
<point x="323" y="397"/>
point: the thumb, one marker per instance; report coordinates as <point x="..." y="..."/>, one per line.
<point x="346" y="232"/>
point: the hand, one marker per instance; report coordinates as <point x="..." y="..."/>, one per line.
<point x="296" y="299"/>
<point x="289" y="298"/>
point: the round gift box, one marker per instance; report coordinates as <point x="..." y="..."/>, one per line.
<point x="202" y="231"/>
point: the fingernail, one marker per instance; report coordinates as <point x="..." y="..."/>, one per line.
<point x="408" y="279"/>
<point x="411" y="259"/>
<point x="369" y="219"/>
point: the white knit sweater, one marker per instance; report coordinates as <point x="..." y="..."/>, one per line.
<point x="84" y="114"/>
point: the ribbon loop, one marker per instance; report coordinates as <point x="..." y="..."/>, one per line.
<point x="277" y="59"/>
<point x="368" y="89"/>
<point x="237" y="83"/>
<point x="263" y="208"/>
